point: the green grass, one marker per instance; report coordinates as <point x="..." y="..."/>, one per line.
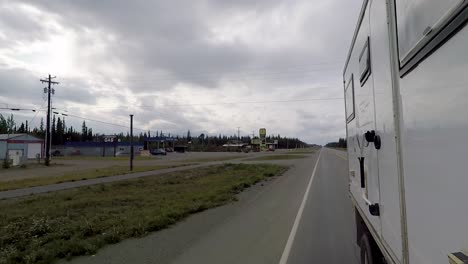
<point x="30" y="165"/>
<point x="278" y="157"/>
<point x="80" y="175"/>
<point x="302" y="151"/>
<point x="211" y="159"/>
<point x="103" y="158"/>
<point x="43" y="228"/>
<point x="341" y="149"/>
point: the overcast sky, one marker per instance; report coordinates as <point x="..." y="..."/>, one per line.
<point x="209" y="66"/>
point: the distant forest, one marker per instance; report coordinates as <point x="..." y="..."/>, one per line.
<point x="61" y="133"/>
<point x="340" y="144"/>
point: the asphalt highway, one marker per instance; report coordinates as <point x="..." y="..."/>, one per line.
<point x="327" y="230"/>
<point x="299" y="217"/>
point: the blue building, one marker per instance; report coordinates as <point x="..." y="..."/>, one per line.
<point x="107" y="149"/>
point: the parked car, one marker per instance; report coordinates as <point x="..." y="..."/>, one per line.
<point x="169" y="150"/>
<point x="122" y="153"/>
<point x="76" y="152"/>
<point x="57" y="153"/>
<point x="158" y="152"/>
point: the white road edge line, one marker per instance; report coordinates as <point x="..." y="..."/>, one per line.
<point x="292" y="235"/>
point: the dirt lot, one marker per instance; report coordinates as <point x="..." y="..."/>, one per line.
<point x="74" y="164"/>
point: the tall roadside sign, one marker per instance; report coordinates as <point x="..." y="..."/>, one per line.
<point x="262" y="133"/>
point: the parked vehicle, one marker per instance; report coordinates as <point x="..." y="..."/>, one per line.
<point x="57" y="153"/>
<point x="406" y="97"/>
<point x="158" y="152"/>
<point x="75" y="152"/>
<point x="122" y="154"/>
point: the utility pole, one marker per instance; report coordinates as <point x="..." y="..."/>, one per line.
<point x="7" y="161"/>
<point x="48" y="90"/>
<point x="131" y="142"/>
<point x="238" y="133"/>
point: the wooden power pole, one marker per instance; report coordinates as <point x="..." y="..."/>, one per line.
<point x="49" y="91"/>
<point x="131" y="142"/>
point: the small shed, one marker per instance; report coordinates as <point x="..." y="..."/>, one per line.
<point x="20" y="147"/>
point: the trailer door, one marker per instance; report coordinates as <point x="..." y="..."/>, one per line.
<point x="361" y="119"/>
<point x="388" y="170"/>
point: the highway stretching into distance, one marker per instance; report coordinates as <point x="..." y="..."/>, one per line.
<point x="303" y="216"/>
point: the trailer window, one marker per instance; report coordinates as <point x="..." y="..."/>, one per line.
<point x="364" y="63"/>
<point x="349" y="100"/>
<point x="420" y="21"/>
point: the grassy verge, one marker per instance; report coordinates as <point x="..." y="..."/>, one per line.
<point x="43" y="228"/>
<point x="302" y="151"/>
<point x="29" y="166"/>
<point x="103" y="158"/>
<point x="278" y="157"/>
<point x="213" y="159"/>
<point x="341" y="149"/>
<point x="80" y="175"/>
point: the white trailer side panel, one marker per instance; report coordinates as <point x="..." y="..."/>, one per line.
<point x="435" y="152"/>
<point x="363" y="121"/>
<point x="385" y="128"/>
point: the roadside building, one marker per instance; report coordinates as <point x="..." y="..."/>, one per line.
<point x="159" y="142"/>
<point x="20" y="147"/>
<point x="255" y="144"/>
<point x="97" y="149"/>
<point x="180" y="148"/>
<point x="236" y="146"/>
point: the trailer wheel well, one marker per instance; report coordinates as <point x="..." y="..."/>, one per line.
<point x="360" y="226"/>
<point x="361" y="230"/>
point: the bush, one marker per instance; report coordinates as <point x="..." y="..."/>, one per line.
<point x="5" y="164"/>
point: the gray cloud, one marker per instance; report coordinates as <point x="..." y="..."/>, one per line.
<point x="26" y="88"/>
<point x="19" y="26"/>
<point x="145" y="53"/>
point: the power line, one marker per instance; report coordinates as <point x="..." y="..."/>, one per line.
<point x="234" y="80"/>
<point x="95" y="120"/>
<point x="17" y="109"/>
<point x="178" y="105"/>
<point x="229" y="76"/>
<point x="37" y="112"/>
<point x="98" y="121"/>
<point x="71" y="115"/>
<point x="225" y="103"/>
<point x="301" y="69"/>
<point x="253" y="102"/>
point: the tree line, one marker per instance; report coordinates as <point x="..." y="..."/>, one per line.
<point x="340" y="144"/>
<point x="61" y="133"/>
<point x="214" y="142"/>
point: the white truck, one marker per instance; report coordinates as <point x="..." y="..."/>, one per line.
<point x="406" y="99"/>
